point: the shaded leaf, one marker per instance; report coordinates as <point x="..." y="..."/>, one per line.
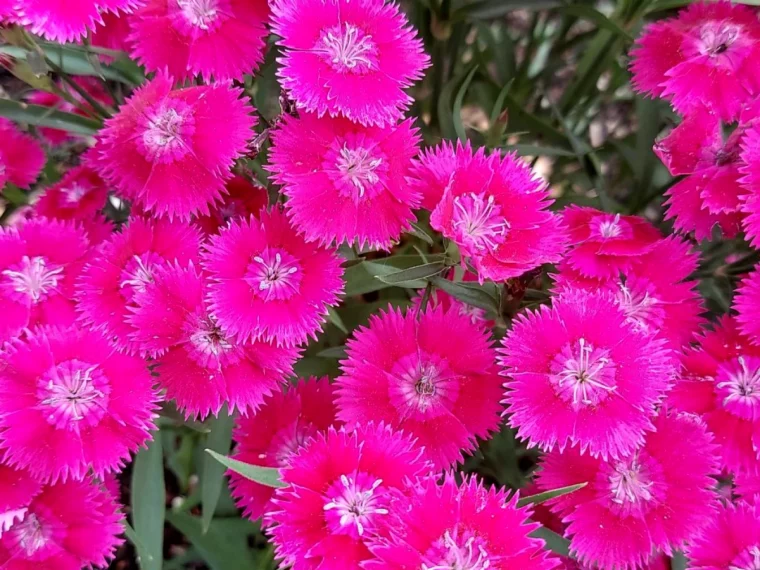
<point x="457" y="109"/>
<point x="422" y="234"/>
<point x="148" y="500"/>
<point x="537" y="150"/>
<point x="221" y="548"/>
<point x="593" y="15"/>
<point x="554" y="542"/>
<point x="268" y="476"/>
<point x="360" y="278"/>
<point x="48" y="117"/>
<point x="142" y="552"/>
<point x="547" y="495"/>
<point x="335" y="319"/>
<point x="212" y="476"/>
<point x="413" y="276"/>
<point x="333" y="352"/>
<point x="470" y="293"/>
<point x="490" y="9"/>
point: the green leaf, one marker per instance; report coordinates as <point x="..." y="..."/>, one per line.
<point x="267" y="476"/>
<point x="142" y="552"/>
<point x="414" y="276"/>
<point x="422" y="234"/>
<point x="537" y="150"/>
<point x="212" y="475"/>
<point x="593" y="15"/>
<point x="148" y="500"/>
<point x="678" y="562"/>
<point x="221" y="547"/>
<point x="335" y="319"/>
<point x="47" y="117"/>
<point x="547" y="495"/>
<point x="672" y="4"/>
<point x="554" y="542"/>
<point x="492" y="9"/>
<point x="360" y="277"/>
<point x="457" y="109"/>
<point x="333" y="352"/>
<point x="471" y="293"/>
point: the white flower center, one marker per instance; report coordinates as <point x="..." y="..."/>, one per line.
<point x="716" y="38"/>
<point x="467" y="556"/>
<point x="742" y="386"/>
<point x="74" y="193"/>
<point x="275" y="275"/>
<point x="610" y="228"/>
<point x="747" y="560"/>
<point x="478" y="222"/>
<point x="35" y="277"/>
<point x="200" y="13"/>
<point x="629" y="483"/>
<point x="139" y="273"/>
<point x="357" y="166"/>
<point x="347" y="48"/>
<point x="584" y="375"/>
<point x="73" y="392"/>
<point x="31" y="535"/>
<point x="209" y="339"/>
<point x="356" y="504"/>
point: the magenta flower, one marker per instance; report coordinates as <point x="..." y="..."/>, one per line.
<point x="346" y="182"/>
<point x="747" y="306"/>
<point x="652" y="292"/>
<point x="21" y="156"/>
<point x="603" y="244"/>
<point x="750" y="158"/>
<point x="710" y="193"/>
<point x="272" y="436"/>
<point x="80" y="195"/>
<point x="219" y="39"/>
<point x="268" y="283"/>
<point x="70" y="404"/>
<point x="580" y="374"/>
<point x="198" y="366"/>
<point x="39" y="261"/>
<point x="65" y="526"/>
<point x="641" y="503"/>
<point x="708" y="56"/>
<point x="170" y="151"/>
<point x="497" y="211"/>
<point x="432" y="374"/>
<point x="17" y="489"/>
<point x="432" y="171"/>
<point x="730" y="541"/>
<point x="65" y="20"/>
<point x="721" y="383"/>
<point x="350" y="58"/>
<point x="123" y="266"/>
<point x="243" y="199"/>
<point x="466" y="526"/>
<point x="339" y="490"/>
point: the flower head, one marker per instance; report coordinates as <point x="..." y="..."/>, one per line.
<point x="707" y="56"/>
<point x="732" y="540"/>
<point x="496" y="210"/>
<point x="581" y="374"/>
<point x="65" y="526"/>
<point x="123" y="266"/>
<point x="21" y="156"/>
<point x="17" y="489"/>
<point x="431" y="374"/>
<point x="604" y="244"/>
<point x="721" y="382"/>
<point x="71" y="403"/>
<point x="657" y="498"/>
<point x="275" y="433"/>
<point x="268" y="283"/>
<point x="750" y="158"/>
<point x="80" y="195"/>
<point x="219" y="39"/>
<point x="350" y="58"/>
<point x="198" y="365"/>
<point x="39" y="261"/>
<point x="170" y="151"/>
<point x="243" y="199"/>
<point x="431" y="172"/>
<point x="339" y="488"/>
<point x="467" y="527"/>
<point x="346" y="182"/>
<point x="747" y="305"/>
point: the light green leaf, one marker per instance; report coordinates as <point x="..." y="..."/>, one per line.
<point x="360" y="277"/>
<point x="547" y="495"/>
<point x="333" y="352"/>
<point x="679" y="561"/>
<point x="47" y="117"/>
<point x="212" y="475"/>
<point x="470" y="293"/>
<point x="537" y="150"/>
<point x="142" y="551"/>
<point x="335" y="319"/>
<point x="148" y="500"/>
<point x="414" y="276"/>
<point x="220" y="547"/>
<point x="268" y="476"/>
<point x="554" y="542"/>
<point x="457" y="109"/>
<point x="422" y="234"/>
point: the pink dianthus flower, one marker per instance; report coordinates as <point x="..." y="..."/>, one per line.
<point x="732" y="540"/>
<point x="604" y="244"/>
<point x="655" y="499"/>
<point x="80" y="195"/>
<point x="198" y="366"/>
<point x="111" y="33"/>
<point x="466" y="526"/>
<point x="219" y="39"/>
<point x="21" y="156"/>
<point x="171" y="151"/>
<point x="243" y="198"/>
<point x="70" y="403"/>
<point x="268" y="283"/>
<point x="497" y="211"/>
<point x="721" y="382"/>
<point x="277" y="431"/>
<point x="581" y="374"/>
<point x="348" y="57"/>
<point x="339" y="488"/>
<point x="710" y="193"/>
<point x="750" y="158"/>
<point x="708" y="56"/>
<point x="39" y="262"/>
<point x="66" y="526"/>
<point x="346" y="182"/>
<point x="123" y="266"/>
<point x="432" y="374"/>
<point x="432" y="170"/>
<point x="747" y="306"/>
<point x="17" y="489"/>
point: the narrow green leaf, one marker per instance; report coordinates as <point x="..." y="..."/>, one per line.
<point x="333" y="352"/>
<point x="413" y="275"/>
<point x="554" y="542"/>
<point x="679" y="561"/>
<point x="593" y="15"/>
<point x="422" y="234"/>
<point x="360" y="277"/>
<point x="492" y="9"/>
<point x="142" y="552"/>
<point x="47" y="117"/>
<point x="268" y="476"/>
<point x="212" y="475"/>
<point x="547" y="495"/>
<point x="148" y="500"/>
<point x="537" y="150"/>
<point x="335" y="319"/>
<point x="219" y="547"/>
<point x="471" y="293"/>
<point x="672" y="4"/>
<point x="457" y="109"/>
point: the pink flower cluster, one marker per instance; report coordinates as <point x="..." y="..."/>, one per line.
<point x="215" y="286"/>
